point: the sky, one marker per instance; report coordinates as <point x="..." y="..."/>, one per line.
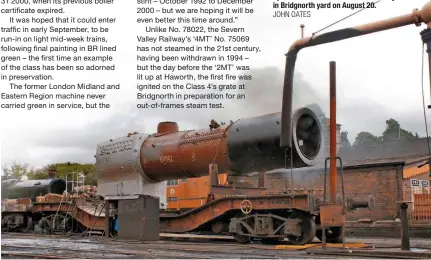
<point x="378" y="77"/>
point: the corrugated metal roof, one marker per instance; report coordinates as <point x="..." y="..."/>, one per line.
<point x="346" y="165"/>
<point x="401" y="149"/>
<point x="415" y="171"/>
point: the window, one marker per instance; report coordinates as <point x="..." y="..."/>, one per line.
<point x="184" y="180"/>
<point x="172" y="182"/>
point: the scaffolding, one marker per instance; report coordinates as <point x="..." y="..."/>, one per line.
<point x="76" y="181"/>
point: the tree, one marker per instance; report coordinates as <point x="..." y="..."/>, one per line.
<point x="38" y="174"/>
<point x="89" y="170"/>
<point x="366" y="138"/>
<point x="345" y="143"/>
<point x="394" y="132"/>
<point x="16" y="170"/>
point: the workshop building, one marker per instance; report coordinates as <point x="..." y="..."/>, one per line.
<point x="390" y="179"/>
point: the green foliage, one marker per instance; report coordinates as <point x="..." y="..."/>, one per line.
<point x="17" y="170"/>
<point x="38" y="174"/>
<point x="366" y="138"/>
<point x="392" y="133"/>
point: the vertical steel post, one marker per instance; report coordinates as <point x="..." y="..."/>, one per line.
<point x="107" y="224"/>
<point x="405" y="240"/>
<point x="333" y="133"/>
<point x="426" y="39"/>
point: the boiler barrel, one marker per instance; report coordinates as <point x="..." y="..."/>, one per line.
<point x="248" y="145"/>
<point x="34" y="188"/>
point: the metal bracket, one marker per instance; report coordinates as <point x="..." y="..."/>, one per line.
<point x="343" y="199"/>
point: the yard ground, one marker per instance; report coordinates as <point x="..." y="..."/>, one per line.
<point x="15" y="246"/>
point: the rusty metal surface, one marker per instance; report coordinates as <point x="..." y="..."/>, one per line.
<point x="248" y="145"/>
<point x="167" y="127"/>
<point x="15" y="208"/>
<point x="213" y="175"/>
<point x="197" y="217"/>
<point x="416" y="17"/>
<point x="429" y="68"/>
<point x="333" y="132"/>
<point x="94" y="220"/>
<point x="426" y="39"/>
<point x="89" y="215"/>
<point x="261" y="180"/>
<point x="419" y="200"/>
<point x="223" y="191"/>
<point x="332" y="215"/>
<point x="184" y="154"/>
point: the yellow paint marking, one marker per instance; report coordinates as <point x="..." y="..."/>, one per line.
<point x="319" y="245"/>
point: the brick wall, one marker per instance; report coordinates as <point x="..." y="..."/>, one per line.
<point x="326" y="137"/>
<point x="384" y="183"/>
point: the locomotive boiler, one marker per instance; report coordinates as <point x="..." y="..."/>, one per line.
<point x="139" y="163"/>
<point x="15" y="189"/>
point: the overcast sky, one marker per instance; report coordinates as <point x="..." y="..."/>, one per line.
<point x="378" y="77"/>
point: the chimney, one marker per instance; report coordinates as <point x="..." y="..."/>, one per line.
<point x="52" y="173"/>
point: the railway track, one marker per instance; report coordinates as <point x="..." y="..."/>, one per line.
<point x="138" y="249"/>
<point x="15" y="255"/>
<point x="177" y="252"/>
<point x="16" y="245"/>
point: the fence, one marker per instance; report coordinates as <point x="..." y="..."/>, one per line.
<point x="419" y="200"/>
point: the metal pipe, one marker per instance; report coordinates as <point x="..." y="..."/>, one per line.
<point x="426" y="38"/>
<point x="429" y="64"/>
<point x="405" y="241"/>
<point x="332" y="133"/>
<point x="416" y="17"/>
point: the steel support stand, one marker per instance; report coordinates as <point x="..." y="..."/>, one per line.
<point x="405" y="240"/>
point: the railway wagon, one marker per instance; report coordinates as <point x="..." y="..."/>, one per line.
<point x="138" y="165"/>
<point x="18" y="197"/>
